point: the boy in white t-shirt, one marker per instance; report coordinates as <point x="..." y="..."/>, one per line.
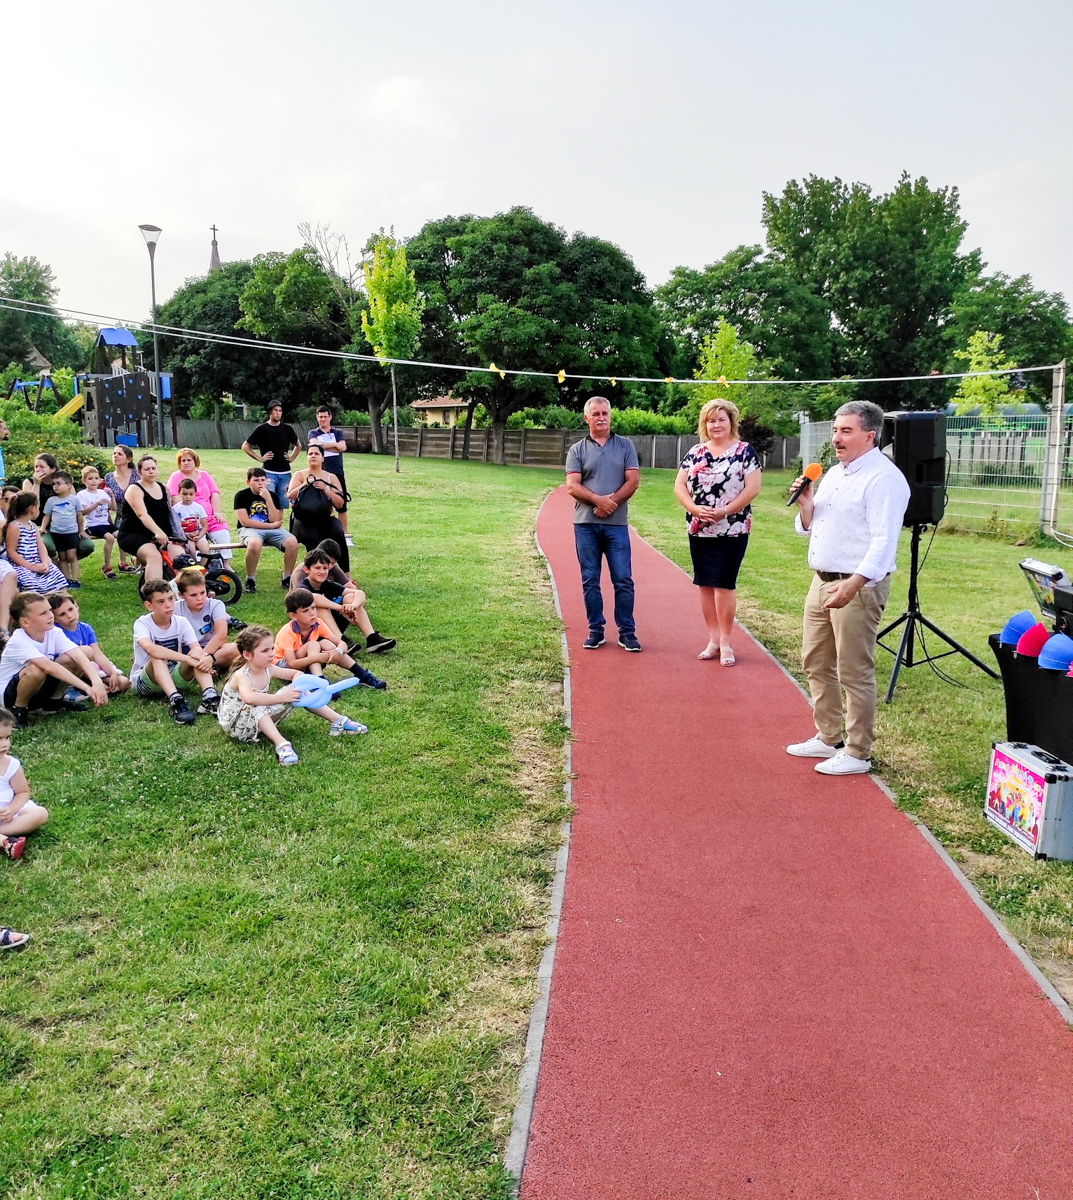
<point x="208" y="619"/>
<point x="192" y="518"/>
<point x="163" y="643"/>
<point x="40" y="662"/>
<point x="99" y="515"/>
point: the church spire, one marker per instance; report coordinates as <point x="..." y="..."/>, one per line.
<point x="214" y="261"/>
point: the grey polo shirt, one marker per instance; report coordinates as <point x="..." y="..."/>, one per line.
<point x="603" y="471"/>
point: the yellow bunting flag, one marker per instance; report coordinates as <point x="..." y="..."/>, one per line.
<point x="722" y="379"/>
<point x="561" y="377"/>
<point x="493" y="367"/>
<point x="614" y="381"/>
<point x="668" y="379"/>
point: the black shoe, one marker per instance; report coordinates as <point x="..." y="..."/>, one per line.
<point x="285" y="583"/>
<point x="22" y="718"/>
<point x="180" y="710"/>
<point x="209" y="704"/>
<point x="594" y="641"/>
<point x="376" y="644"/>
<point x="251" y="585"/>
<point x="628" y="641"/>
<point x="234" y="625"/>
<point x="368" y="679"/>
<point x="55" y="707"/>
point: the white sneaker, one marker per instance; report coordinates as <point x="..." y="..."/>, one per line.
<point x="844" y="764"/>
<point x="814" y="748"/>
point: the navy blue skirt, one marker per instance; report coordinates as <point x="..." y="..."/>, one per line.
<point x="717" y="560"/>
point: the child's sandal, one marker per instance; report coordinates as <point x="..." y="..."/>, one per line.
<point x="286" y="755"/>
<point x="346" y="725"/>
<point x="108" y="573"/>
<point x="12" y="847"/>
<point x="10" y="938"/>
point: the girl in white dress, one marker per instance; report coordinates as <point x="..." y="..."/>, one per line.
<point x="248" y="709"/>
<point x="19" y="815"/>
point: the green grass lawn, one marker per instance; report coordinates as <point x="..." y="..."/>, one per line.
<point x="254" y="982"/>
<point x="934" y="739"/>
<point x="246" y="981"/>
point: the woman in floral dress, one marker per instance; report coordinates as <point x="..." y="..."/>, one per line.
<point x="716" y="483"/>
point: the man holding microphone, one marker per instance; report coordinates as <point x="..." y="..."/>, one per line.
<point x="852" y="524"/>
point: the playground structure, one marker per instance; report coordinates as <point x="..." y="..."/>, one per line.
<point x="116" y="405"/>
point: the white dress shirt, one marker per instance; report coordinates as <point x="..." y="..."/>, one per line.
<point x="857" y="518"/>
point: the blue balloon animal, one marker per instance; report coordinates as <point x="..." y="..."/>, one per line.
<point x="317" y="691"/>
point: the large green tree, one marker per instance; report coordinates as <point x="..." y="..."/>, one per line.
<point x="887" y="267"/>
<point x="518" y="292"/>
<point x="206" y="370"/>
<point x="1034" y="326"/>
<point x="23" y="332"/>
<point x="774" y="311"/>
<point x="391" y="323"/>
<point x="314" y="297"/>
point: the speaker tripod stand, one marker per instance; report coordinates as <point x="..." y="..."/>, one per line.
<point x="915" y="622"/>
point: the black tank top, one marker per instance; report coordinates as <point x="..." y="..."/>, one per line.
<point x="158" y="511"/>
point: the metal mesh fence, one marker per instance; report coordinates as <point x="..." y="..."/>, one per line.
<point x="996" y="471"/>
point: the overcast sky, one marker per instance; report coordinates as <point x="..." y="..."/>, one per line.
<point x="656" y="126"/>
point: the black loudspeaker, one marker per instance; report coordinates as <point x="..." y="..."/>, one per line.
<point x="917" y="442"/>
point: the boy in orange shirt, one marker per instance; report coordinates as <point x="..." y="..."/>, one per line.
<point x="305" y="643"/>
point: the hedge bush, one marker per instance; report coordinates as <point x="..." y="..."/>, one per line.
<point x="36" y="433"/>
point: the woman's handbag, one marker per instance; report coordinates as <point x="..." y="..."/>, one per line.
<point x="312" y="503"/>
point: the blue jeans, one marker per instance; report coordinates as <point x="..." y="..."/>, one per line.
<point x="595" y="542"/>
<point x="278" y="482"/>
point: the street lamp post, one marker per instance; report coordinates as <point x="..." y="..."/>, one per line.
<point x="151" y="233"/>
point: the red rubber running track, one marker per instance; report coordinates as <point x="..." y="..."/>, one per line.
<point x="767" y="983"/>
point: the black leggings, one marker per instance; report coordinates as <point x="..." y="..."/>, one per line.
<point x="311" y="534"/>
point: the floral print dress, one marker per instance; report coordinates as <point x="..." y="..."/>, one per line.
<point x="240" y="719"/>
<point x="714" y="480"/>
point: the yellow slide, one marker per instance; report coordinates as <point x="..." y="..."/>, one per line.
<point x="72" y="406"/>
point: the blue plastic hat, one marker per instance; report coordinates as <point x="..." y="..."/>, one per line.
<point x="1017" y="624"/>
<point x="1057" y="654"/>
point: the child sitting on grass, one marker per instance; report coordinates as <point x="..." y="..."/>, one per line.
<point x="26" y="551"/>
<point x="63" y="519"/>
<point x="65" y="611"/>
<point x="192" y="518"/>
<point x="98" y="515"/>
<point x="248" y="708"/>
<point x="338" y="599"/>
<point x="305" y="644"/>
<point x="19" y="815"/>
<point x="40" y="662"/>
<point x="163" y="644"/>
<point x="207" y="617"/>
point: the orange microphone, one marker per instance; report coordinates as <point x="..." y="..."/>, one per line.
<point x="811" y="473"/>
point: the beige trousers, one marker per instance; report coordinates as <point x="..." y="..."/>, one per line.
<point x="838" y="649"/>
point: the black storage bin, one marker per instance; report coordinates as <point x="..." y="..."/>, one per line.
<point x="1039" y="703"/>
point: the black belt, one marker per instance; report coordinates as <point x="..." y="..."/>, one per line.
<point x="831" y="576"/>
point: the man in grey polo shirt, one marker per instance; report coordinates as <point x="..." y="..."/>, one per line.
<point x="602" y="473"/>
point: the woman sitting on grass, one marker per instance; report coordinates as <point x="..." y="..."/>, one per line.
<point x="206" y="493"/>
<point x="146" y="527"/>
<point x="317" y="498"/>
<point x="248" y="708"/>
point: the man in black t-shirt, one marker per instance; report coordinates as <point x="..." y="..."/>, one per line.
<point x="275" y="446"/>
<point x="260" y="523"/>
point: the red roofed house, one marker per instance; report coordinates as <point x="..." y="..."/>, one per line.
<point x="442" y="410"/>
